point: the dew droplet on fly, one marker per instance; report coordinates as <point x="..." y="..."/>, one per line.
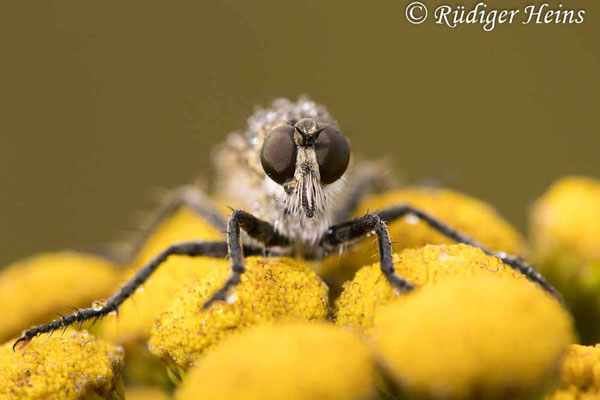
<point x="411" y="219"/>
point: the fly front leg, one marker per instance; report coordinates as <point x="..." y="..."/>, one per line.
<point x="394" y="213"/>
<point x="257" y="229"/>
<point x="191" y="249"/>
<point x="354" y="229"/>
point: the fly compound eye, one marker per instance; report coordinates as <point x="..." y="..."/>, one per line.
<point x="278" y="154"/>
<point x="333" y="154"/>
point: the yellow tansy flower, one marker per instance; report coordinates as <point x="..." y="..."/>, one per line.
<point x="473" y="338"/>
<point x="33" y="290"/>
<point x="579" y="374"/>
<point x="565" y="233"/>
<point x="369" y="289"/>
<point x="298" y="361"/>
<point x="72" y="366"/>
<point x="271" y="288"/>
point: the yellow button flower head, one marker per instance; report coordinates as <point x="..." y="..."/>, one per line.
<point x="473" y="337"/>
<point x="568" y="216"/>
<point x="72" y="366"/>
<point x="466" y="214"/>
<point x="565" y="233"/>
<point x="369" y="289"/>
<point x="297" y="361"/>
<point x="34" y="289"/>
<point x="579" y="374"/>
<point x="271" y="288"/>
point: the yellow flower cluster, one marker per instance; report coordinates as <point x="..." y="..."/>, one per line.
<point x="473" y="337"/>
<point x="32" y="291"/>
<point x="474" y="328"/>
<point x="369" y="289"/>
<point x="565" y="234"/>
<point x="579" y="374"/>
<point x="74" y="366"/>
<point x="293" y="361"/>
<point x="466" y="214"/>
<point x="271" y="288"/>
<point x="567" y="218"/>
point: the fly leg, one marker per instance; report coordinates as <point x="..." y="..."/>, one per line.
<point x="191" y="249"/>
<point x="255" y="228"/>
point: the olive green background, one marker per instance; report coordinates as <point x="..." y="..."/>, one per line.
<point x="103" y="102"/>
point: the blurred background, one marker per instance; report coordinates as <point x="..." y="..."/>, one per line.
<point x="101" y="103"/>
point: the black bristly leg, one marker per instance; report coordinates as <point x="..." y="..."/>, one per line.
<point x="257" y="229"/>
<point x="359" y="227"/>
<point x="395" y="212"/>
<point x="192" y="249"/>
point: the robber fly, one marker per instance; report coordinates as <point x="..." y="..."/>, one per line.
<point x="288" y="173"/>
